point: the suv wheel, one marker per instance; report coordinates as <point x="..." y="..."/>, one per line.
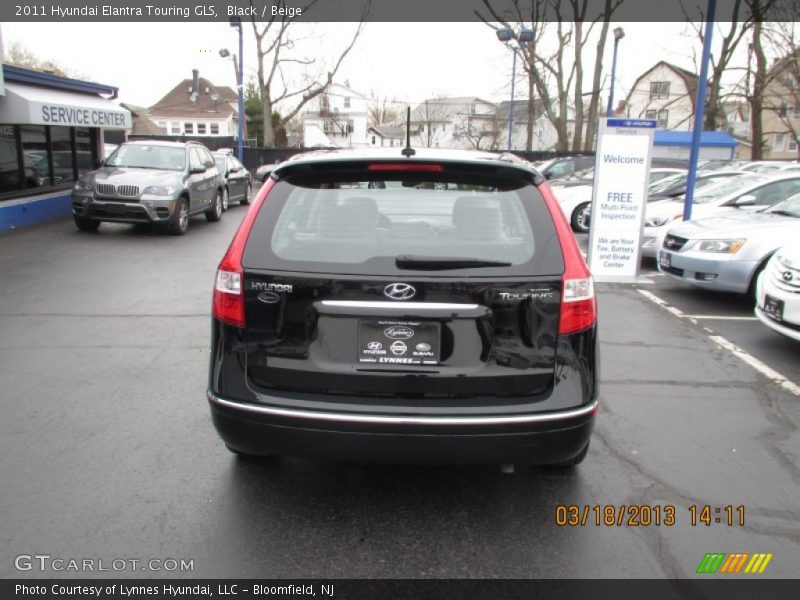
<point x="214" y="213"/>
<point x="580" y="218"/>
<point x="85" y="224"/>
<point x="246" y="198"/>
<point x="225" y="199"/>
<point x="179" y="222"/>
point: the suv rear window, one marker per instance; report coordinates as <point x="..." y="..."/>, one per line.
<point x="360" y="226"/>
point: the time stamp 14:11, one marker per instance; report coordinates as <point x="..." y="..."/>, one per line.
<point x="646" y="515"/>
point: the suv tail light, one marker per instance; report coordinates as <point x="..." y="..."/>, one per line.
<point x="228" y="305"/>
<point x="578" y="305"/>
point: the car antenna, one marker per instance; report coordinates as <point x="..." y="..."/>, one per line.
<point x="408" y="150"/>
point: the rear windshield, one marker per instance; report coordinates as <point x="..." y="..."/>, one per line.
<point x="362" y="226"/>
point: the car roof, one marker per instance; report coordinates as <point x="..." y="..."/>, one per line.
<point x="162" y="143"/>
<point x="421" y="155"/>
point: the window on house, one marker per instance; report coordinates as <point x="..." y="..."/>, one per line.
<point x="162" y="124"/>
<point x="780" y="140"/>
<point x="651" y="114"/>
<point x="201" y="128"/>
<point x="782" y="111"/>
<point x="188" y="128"/>
<point x="663" y="119"/>
<point x="214" y="128"/>
<point x="792" y="144"/>
<point x="796" y="112"/>
<point x="347" y="102"/>
<point x="373" y="140"/>
<point x="659" y="89"/>
<point x="175" y="128"/>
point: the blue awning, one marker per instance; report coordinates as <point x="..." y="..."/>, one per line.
<point x="718" y="139"/>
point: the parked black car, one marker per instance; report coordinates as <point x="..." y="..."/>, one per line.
<point x="431" y="309"/>
<point x="150" y="181"/>
<point x="238" y="182"/>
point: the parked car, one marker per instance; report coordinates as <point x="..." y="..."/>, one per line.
<point x="675" y="185"/>
<point x="576" y="201"/>
<point x="428" y="319"/>
<point x="746" y="193"/>
<point x="237" y="180"/>
<point x="778" y="291"/>
<point x="150" y="182"/>
<point x="728" y="253"/>
<point x="264" y="171"/>
<point x="564" y="167"/>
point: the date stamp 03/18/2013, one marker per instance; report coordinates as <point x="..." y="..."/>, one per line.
<point x="647" y="515"/>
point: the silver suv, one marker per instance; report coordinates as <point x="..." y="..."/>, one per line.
<point x="150" y="182"/>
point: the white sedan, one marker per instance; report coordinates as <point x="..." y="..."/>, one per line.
<point x="749" y="192"/>
<point x="778" y="292"/>
<point x="575" y="201"/>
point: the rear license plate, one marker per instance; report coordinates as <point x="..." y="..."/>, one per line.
<point x="773" y="308"/>
<point x="665" y="259"/>
<point x="389" y="342"/>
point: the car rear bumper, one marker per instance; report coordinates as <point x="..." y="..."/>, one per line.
<point x="541" y="438"/>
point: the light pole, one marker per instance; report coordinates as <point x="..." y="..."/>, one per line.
<point x="224" y="53"/>
<point x="505" y="35"/>
<point x="619" y="33"/>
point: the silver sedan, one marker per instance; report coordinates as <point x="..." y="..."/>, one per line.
<point x="727" y="253"/>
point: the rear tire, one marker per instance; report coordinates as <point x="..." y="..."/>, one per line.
<point x="179" y="222"/>
<point x="580" y="218"/>
<point x="246" y="198"/>
<point x="226" y="198"/>
<point x="214" y="213"/>
<point x="571" y="463"/>
<point x="85" y="224"/>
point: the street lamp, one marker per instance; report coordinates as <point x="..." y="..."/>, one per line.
<point x="239" y="68"/>
<point x="619" y="33"/>
<point x="525" y="37"/>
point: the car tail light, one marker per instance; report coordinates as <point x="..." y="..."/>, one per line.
<point x="410" y="166"/>
<point x="228" y="304"/>
<point x="578" y="305"/>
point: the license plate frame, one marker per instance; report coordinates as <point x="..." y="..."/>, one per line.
<point x="398" y="343"/>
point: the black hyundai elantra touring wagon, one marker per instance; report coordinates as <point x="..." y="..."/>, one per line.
<point x="393" y="307"/>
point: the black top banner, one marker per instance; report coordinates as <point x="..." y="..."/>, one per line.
<point x="397" y="10"/>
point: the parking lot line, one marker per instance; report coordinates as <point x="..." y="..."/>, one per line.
<point x="722" y="317"/>
<point x="723" y="343"/>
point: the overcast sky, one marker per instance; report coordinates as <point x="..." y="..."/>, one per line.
<point x="409" y="61"/>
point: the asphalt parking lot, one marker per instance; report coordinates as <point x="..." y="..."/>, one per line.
<point x="107" y="450"/>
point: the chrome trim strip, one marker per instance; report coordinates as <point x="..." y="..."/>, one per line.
<point x="399" y="304"/>
<point x="394" y="420"/>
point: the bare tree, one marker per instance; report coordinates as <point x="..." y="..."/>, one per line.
<point x="382" y="109"/>
<point x="20" y="56"/>
<point x="780" y="97"/>
<point x="553" y="75"/>
<point x="429" y="121"/>
<point x="714" y="117"/>
<point x="486" y="132"/>
<point x="273" y="42"/>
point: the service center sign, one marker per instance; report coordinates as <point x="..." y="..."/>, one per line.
<point x="619" y="195"/>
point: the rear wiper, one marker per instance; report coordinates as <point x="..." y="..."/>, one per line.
<point x="440" y="263"/>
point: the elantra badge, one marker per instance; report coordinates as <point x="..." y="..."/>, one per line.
<point x="399" y="291"/>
